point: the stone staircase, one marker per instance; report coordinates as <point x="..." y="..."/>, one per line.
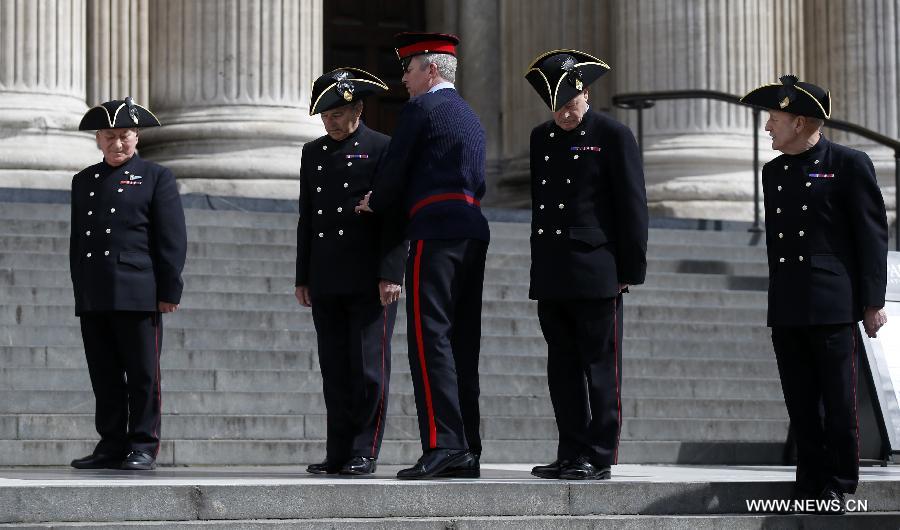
<point x="240" y="376"/>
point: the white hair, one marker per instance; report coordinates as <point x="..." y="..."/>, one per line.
<point x="446" y="64"/>
<point x="818" y="123"/>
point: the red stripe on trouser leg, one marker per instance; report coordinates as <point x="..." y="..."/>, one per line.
<point x="417" y="315"/>
<point x="158" y="389"/>
<point x="381" y="400"/>
<point x="616" y="361"/>
<point x="855" y="379"/>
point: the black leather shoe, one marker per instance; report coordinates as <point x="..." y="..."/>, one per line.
<point x="582" y="469"/>
<point x="471" y="469"/>
<point x="359" y="465"/>
<point x="97" y="461"/>
<point x="831" y="501"/>
<point x="436" y="461"/>
<point x="323" y="468"/>
<point x="550" y="470"/>
<point x="139" y="460"/>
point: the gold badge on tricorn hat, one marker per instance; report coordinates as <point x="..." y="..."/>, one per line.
<point x="792" y="96"/>
<point x="132" y="111"/>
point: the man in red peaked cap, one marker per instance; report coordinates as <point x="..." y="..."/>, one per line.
<point x="434" y="174"/>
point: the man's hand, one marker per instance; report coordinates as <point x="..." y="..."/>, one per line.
<point x="301" y="292"/>
<point x="363" y="205"/>
<point x="873" y="319"/>
<point x="623" y="288"/>
<point x="166" y="307"/>
<point x="389" y="292"/>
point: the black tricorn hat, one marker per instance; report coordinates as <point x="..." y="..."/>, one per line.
<point x="117" y="113"/>
<point x="792" y="96"/>
<point x="559" y="75"/>
<point x="342" y="87"/>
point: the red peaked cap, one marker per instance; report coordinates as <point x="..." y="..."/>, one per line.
<point x="417" y="43"/>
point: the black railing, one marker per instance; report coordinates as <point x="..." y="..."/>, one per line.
<point x="644" y="100"/>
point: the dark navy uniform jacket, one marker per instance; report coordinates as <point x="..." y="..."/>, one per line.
<point x="338" y="251"/>
<point x="589" y="210"/>
<point x="826" y="235"/>
<point x="435" y="169"/>
<point x="128" y="242"/>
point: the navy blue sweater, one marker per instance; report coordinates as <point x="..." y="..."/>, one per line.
<point x="434" y="169"/>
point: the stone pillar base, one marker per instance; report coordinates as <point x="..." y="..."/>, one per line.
<point x="232" y="142"/>
<point x="252" y="188"/>
<point x="40" y="132"/>
<point x="726" y="196"/>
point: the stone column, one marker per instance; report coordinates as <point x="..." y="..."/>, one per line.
<point x="118" y="50"/>
<point x="697" y="153"/>
<point x="527" y="29"/>
<point x="852" y="50"/>
<point x="478" y="75"/>
<point x="790" y="39"/>
<point x="230" y="82"/>
<point x="42" y="93"/>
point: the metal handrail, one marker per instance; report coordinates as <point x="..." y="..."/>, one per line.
<point x="644" y="100"/>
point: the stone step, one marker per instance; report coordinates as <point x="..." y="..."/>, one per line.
<point x="293" y="403"/>
<point x="716" y="346"/>
<point x="312" y="427"/>
<point x="67" y="333"/>
<point x="25" y="213"/>
<point x="55" y="244"/>
<point x="865" y="521"/>
<point x="18" y="402"/>
<point x="637" y="498"/>
<point x="287" y="452"/>
<point x="12" y="357"/>
<point x="676" y="299"/>
<point x="234" y="276"/>
<point x="497" y="318"/>
<point x="244" y="258"/>
<point x="284" y="231"/>
<point x="501" y="385"/>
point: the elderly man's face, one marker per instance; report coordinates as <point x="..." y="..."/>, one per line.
<point x="418" y="79"/>
<point x="570" y="115"/>
<point x="784" y="128"/>
<point x="118" y="145"/>
<point x="343" y="121"/>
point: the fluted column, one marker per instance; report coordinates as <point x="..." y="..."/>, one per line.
<point x="42" y="93"/>
<point x="479" y="54"/>
<point x="118" y="50"/>
<point x="790" y="40"/>
<point x="697" y="153"/>
<point x="230" y="82"/>
<point x="852" y="50"/>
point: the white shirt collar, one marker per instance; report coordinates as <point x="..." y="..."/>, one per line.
<point x="441" y="86"/>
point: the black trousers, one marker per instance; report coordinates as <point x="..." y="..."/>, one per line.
<point x="354" y="337"/>
<point x="122" y="350"/>
<point x="444" y="280"/>
<point x="584" y="373"/>
<point x="818" y="369"/>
